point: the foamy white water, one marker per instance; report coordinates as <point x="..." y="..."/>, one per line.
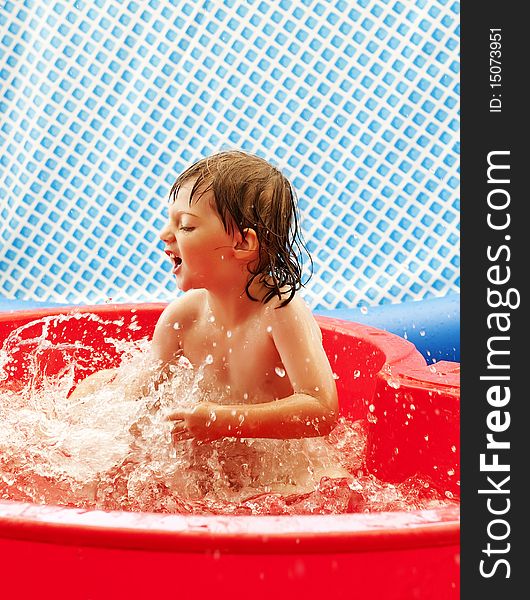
<point x="110" y="450"/>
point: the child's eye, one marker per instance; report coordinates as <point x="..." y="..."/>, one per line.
<point x="186" y="228"/>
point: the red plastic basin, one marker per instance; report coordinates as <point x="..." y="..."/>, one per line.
<point x="57" y="552"/>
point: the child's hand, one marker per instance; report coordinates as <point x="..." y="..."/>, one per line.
<point x="194" y="423"/>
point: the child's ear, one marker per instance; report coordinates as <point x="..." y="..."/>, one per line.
<point x="247" y="245"/>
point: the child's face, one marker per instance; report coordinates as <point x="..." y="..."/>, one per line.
<point x="196" y="241"/>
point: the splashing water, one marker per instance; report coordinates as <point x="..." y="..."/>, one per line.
<point x="111" y="448"/>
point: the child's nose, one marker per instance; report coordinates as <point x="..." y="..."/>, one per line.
<point x="165" y="234"/>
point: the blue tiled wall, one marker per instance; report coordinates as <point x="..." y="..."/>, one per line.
<point x="104" y="102"/>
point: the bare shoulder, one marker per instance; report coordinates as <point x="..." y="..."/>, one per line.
<point x="184" y="309"/>
<point x="175" y="321"/>
<point x="293" y="317"/>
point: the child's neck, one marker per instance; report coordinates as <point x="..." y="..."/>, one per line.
<point x="232" y="306"/>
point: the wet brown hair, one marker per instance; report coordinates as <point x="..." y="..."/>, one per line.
<point x="249" y="192"/>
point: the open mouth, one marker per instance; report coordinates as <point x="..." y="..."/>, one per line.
<point x="177" y="261"/>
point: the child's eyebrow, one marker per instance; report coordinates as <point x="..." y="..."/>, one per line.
<point x="185" y="212"/>
<point x="178" y="213"/>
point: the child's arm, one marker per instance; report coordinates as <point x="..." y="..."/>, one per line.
<point x="166" y="344"/>
<point x="167" y="339"/>
<point x="93" y="383"/>
<point x="312" y="410"/>
<point x="166" y="348"/>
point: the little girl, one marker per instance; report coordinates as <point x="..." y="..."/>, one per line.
<point x="232" y="236"/>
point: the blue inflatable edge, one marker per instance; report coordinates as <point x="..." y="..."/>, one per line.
<point x="432" y="325"/>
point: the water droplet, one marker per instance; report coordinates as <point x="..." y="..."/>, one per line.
<point x="371" y="408"/>
<point x="245" y="396"/>
<point x="364" y="309"/>
<point x="211" y="318"/>
<point x="356" y="374"/>
<point x="269" y="329"/>
<point x="176" y="325"/>
<point x="422" y="332"/>
<point x="229" y="334"/>
<point x="280" y="372"/>
<point x="209" y="359"/>
<point x="394" y="383"/>
<point x="448" y="494"/>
